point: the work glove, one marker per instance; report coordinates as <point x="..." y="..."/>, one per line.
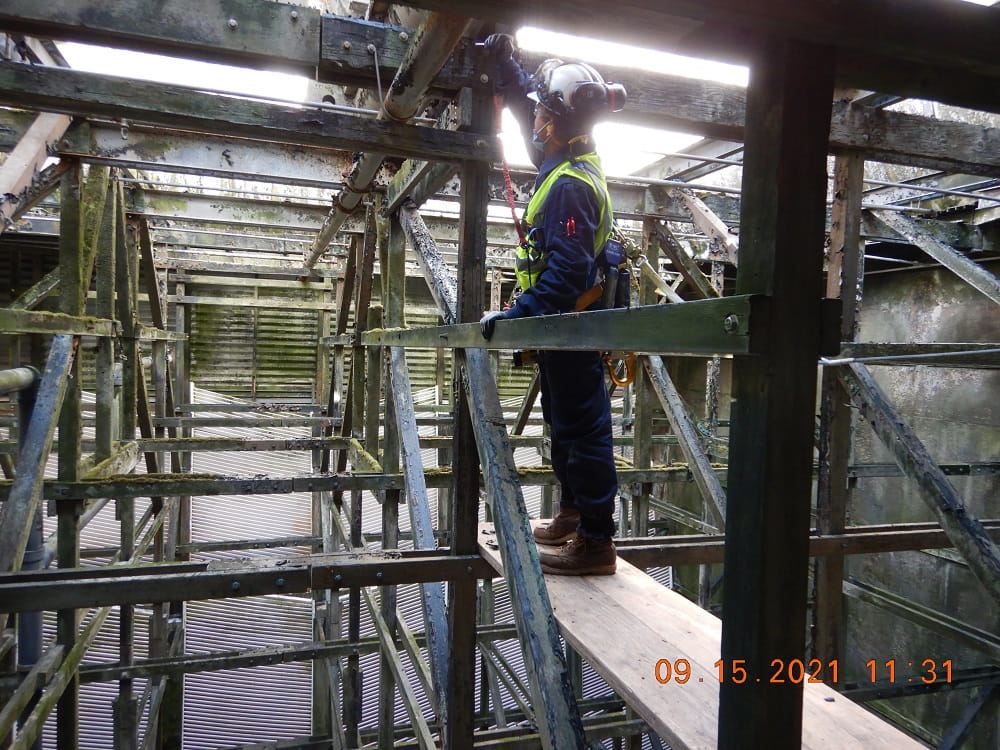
<point x="500" y="47"/>
<point x="489" y="321"/>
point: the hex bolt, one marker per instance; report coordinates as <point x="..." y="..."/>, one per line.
<point x="371" y="49"/>
<point x="484" y="78"/>
<point x="403" y="36"/>
<point x="295" y="15"/>
<point x="346" y="46"/>
<point x="280" y="582"/>
<point x="731" y="323"/>
<point x="233" y="23"/>
<point x="235" y="586"/>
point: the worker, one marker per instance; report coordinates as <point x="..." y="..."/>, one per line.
<point x="567" y="223"/>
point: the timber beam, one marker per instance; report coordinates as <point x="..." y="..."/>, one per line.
<point x="255" y="657"/>
<point x="24" y="163"/>
<point x="640" y="551"/>
<point x="31" y="321"/>
<point x="213" y="155"/>
<point x="185" y="108"/>
<point x="25" y="591"/>
<point x="147" y="485"/>
<point x="559" y="721"/>
<point x="966" y="269"/>
<point x="963" y="528"/>
<point x="937" y="622"/>
<point x="243" y="32"/>
<point x="713" y="495"/>
<point x="961" y="679"/>
<point x="956" y="37"/>
<point x="700" y="549"/>
<point x="701" y="327"/>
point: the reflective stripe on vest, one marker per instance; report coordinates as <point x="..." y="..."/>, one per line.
<point x="531" y="261"/>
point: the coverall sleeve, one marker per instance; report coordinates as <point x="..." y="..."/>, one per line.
<point x="514" y="84"/>
<point x="571" y="217"/>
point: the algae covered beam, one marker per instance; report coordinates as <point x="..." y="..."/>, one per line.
<point x="32" y="321"/>
<point x="243" y="32"/>
<point x="88" y="94"/>
<point x="701" y="327"/>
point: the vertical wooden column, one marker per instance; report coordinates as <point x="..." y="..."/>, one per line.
<point x="844" y="278"/>
<point x="72" y="301"/>
<point x="645" y="400"/>
<point x="126" y="302"/>
<point x="393" y="297"/>
<point x="460" y="702"/>
<point x="770" y="467"/>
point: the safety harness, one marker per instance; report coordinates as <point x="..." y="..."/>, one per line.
<point x="531" y="256"/>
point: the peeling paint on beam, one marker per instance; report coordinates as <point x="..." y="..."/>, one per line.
<point x="217" y="156"/>
<point x="232" y="211"/>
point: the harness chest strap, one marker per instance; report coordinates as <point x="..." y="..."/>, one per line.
<point x="531" y="257"/>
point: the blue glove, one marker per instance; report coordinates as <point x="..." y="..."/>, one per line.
<point x="489" y="321"/>
<point x="500" y="47"/>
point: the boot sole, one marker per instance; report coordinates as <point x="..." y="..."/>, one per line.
<point x="556" y="541"/>
<point x="599" y="570"/>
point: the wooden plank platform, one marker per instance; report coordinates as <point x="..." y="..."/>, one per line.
<point x="625" y="623"/>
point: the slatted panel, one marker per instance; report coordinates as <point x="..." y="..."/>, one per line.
<point x="285" y="352"/>
<point x="221" y="351"/>
<point x="222" y="709"/>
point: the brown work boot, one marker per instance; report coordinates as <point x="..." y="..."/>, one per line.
<point x="560" y="529"/>
<point x="581" y="556"/>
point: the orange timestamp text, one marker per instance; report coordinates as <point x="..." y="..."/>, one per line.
<point x="735" y="671"/>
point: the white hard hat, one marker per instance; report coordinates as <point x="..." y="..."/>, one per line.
<point x="575" y="90"/>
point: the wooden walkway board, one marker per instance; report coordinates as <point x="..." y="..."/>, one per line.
<point x="625" y="623"/>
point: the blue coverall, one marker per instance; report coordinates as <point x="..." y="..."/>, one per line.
<point x="575" y="401"/>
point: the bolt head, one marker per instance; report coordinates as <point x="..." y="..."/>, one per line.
<point x="295" y="15"/>
<point x="338" y="578"/>
<point x="280" y="582"/>
<point x="378" y="575"/>
<point x="403" y="36"/>
<point x="235" y="586"/>
<point x="731" y="324"/>
<point x="233" y="23"/>
<point x="484" y="78"/>
<point x="346" y="46"/>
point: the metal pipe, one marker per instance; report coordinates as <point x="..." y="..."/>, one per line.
<point x="29" y="624"/>
<point x="17" y="379"/>
<point x="433" y="43"/>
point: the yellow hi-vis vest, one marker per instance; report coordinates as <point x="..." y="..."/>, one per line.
<point x="531" y="257"/>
